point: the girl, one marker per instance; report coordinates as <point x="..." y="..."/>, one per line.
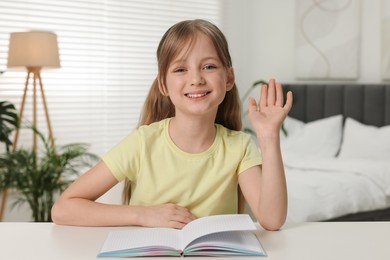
<point x="188" y="158"/>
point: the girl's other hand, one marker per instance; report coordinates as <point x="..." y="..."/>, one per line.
<point x="267" y="117"/>
<point x="166" y="215"/>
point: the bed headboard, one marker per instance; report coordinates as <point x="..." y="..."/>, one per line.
<point x="369" y="104"/>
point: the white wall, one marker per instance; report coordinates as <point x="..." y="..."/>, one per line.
<point x="261" y="37"/>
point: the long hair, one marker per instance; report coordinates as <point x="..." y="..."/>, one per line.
<point x="158" y="106"/>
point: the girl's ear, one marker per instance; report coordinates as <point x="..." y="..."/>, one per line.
<point x="162" y="88"/>
<point x="230" y="79"/>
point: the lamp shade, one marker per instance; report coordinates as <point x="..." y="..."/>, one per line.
<point x="33" y="49"/>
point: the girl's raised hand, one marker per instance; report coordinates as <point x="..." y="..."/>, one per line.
<point x="267" y="116"/>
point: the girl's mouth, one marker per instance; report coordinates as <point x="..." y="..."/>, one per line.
<point x="197" y="95"/>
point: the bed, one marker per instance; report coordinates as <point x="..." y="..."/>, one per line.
<point x="336" y="150"/>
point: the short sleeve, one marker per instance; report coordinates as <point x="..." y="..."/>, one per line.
<point x="251" y="156"/>
<point x="124" y="159"/>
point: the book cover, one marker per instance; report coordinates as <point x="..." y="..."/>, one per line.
<point x="220" y="235"/>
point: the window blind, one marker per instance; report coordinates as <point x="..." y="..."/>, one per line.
<point x="107" y="53"/>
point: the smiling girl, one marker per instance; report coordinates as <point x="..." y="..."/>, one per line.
<point x="188" y="157"/>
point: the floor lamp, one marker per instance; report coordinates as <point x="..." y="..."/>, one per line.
<point x="32" y="50"/>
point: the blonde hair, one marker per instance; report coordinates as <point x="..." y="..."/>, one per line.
<point x="158" y="106"/>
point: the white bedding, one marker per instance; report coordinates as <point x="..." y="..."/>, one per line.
<point x="325" y="188"/>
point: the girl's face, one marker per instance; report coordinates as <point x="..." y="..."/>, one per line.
<point x="196" y="80"/>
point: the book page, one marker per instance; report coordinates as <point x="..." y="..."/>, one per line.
<point x="213" y="224"/>
<point x="226" y="243"/>
<point x="141" y="238"/>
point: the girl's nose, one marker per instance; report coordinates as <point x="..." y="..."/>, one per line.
<point x="197" y="79"/>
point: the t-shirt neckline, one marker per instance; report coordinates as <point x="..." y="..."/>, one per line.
<point x="205" y="153"/>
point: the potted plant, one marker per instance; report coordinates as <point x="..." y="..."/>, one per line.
<point x="39" y="178"/>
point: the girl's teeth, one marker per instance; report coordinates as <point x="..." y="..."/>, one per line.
<point x="196" y="95"/>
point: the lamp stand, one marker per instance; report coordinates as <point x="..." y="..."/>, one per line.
<point x="36" y="72"/>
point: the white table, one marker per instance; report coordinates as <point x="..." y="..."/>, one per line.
<point x="314" y="241"/>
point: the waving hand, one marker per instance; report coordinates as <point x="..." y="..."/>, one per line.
<point x="267" y="116"/>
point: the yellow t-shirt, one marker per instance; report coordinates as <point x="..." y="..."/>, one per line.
<point x="205" y="183"/>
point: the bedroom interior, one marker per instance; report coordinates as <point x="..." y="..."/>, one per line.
<point x="337" y="161"/>
<point x="338" y="132"/>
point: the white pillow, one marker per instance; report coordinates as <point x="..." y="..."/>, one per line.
<point x="291" y="125"/>
<point x="362" y="141"/>
<point x="320" y="138"/>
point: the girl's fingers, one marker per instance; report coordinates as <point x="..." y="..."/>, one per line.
<point x="279" y="95"/>
<point x="176" y="225"/>
<point x="252" y="105"/>
<point x="263" y="96"/>
<point x="182" y="214"/>
<point x="181" y="218"/>
<point x="271" y="93"/>
<point x="289" y="102"/>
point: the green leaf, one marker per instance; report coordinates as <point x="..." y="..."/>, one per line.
<point x="8" y="122"/>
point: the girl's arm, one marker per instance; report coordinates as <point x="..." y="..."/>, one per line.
<point x="264" y="187"/>
<point x="77" y="206"/>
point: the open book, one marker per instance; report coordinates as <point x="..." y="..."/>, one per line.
<point x="220" y="235"/>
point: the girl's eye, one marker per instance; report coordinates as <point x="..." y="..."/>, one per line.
<point x="209" y="67"/>
<point x="179" y="70"/>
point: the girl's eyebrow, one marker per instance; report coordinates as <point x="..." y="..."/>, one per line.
<point x="211" y="58"/>
<point x="174" y="62"/>
<point x="202" y="60"/>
